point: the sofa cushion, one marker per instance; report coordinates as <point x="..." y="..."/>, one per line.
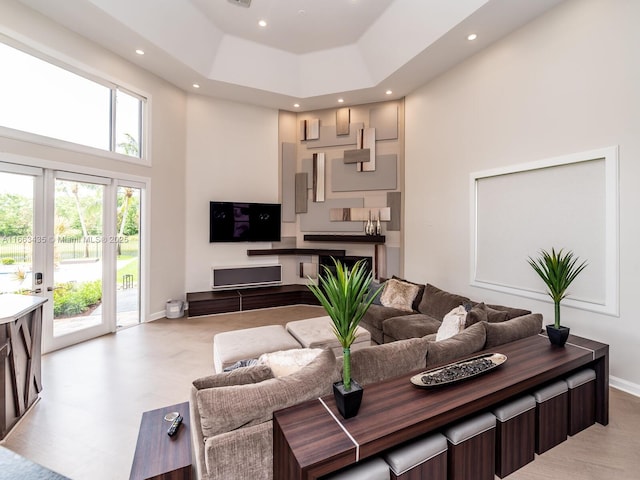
<point x="373" y="288"/>
<point x="511" y="312"/>
<point x="377" y="314"/>
<point x="514" y="329"/>
<point x="238" y="376"/>
<point x="452" y="324"/>
<point x="399" y="294"/>
<point x="437" y="303"/>
<point x="377" y="363"/>
<point x="469" y="341"/>
<point x="223" y="409"/>
<point x="418" y="299"/>
<point x="415" y="325"/>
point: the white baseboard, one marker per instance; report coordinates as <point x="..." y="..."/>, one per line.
<point x="157" y="316"/>
<point x="624" y="385"/>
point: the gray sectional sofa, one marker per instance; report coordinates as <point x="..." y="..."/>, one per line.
<point x="231" y="413"/>
<point x="424" y="316"/>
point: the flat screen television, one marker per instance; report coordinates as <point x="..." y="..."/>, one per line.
<point x="244" y="222"/>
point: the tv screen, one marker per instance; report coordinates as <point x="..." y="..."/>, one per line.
<point x="244" y="222"/>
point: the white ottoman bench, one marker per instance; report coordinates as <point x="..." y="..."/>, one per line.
<point x="248" y="343"/>
<point x="318" y="333"/>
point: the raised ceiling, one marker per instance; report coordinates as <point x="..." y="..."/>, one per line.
<point x="310" y="53"/>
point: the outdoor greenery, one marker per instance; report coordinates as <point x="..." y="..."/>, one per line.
<point x="343" y="294"/>
<point x="74" y="298"/>
<point x="558" y="270"/>
<point x="16" y="215"/>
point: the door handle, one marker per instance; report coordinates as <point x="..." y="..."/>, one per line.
<point x="37" y="290"/>
<point x="51" y="289"/>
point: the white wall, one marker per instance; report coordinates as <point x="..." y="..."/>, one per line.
<point x="167" y="130"/>
<point x="567" y="82"/>
<point x="232" y="155"/>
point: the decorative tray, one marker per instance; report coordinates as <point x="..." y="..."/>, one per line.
<point x="458" y="371"/>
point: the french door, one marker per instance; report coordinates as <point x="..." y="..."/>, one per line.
<point x="68" y="237"/>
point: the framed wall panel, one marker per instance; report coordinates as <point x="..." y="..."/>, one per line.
<point x="318" y="177"/>
<point x="568" y="202"/>
<point x="343" y="118"/>
<point x="394" y="202"/>
<point x="302" y="194"/>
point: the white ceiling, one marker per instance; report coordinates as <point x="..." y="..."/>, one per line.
<point x="311" y="52"/>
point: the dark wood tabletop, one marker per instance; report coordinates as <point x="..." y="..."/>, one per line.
<point x="159" y="456"/>
<point x="312" y="439"/>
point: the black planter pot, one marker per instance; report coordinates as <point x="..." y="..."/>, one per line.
<point x="348" y="403"/>
<point x="558" y="336"/>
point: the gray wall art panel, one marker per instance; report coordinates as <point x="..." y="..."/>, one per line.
<point x="288" y="182"/>
<point x="393" y="262"/>
<point x="307" y="167"/>
<point x="345" y="178"/>
<point x="343" y="118"/>
<point x="385" y="120"/>
<point x="317" y="218"/>
<point x="394" y="202"/>
<point x="302" y="194"/>
<point x="328" y="137"/>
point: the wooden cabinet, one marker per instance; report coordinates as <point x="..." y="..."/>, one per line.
<point x="20" y="356"/>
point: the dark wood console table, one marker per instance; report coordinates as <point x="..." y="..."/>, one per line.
<point x="312" y="439"/>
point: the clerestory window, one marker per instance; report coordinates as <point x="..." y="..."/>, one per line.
<point x="39" y="97"/>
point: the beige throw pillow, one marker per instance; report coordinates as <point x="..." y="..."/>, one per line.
<point x="286" y="362"/>
<point x="452" y="323"/>
<point x="398" y="294"/>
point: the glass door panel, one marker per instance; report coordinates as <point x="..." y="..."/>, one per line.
<point x="17" y="237"/>
<point x="128" y="259"/>
<point x="77" y="256"/>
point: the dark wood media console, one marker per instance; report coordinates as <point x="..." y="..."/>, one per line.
<point x="312" y="439"/>
<point x="238" y="300"/>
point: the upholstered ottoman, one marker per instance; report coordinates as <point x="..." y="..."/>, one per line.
<point x="248" y="343"/>
<point x="318" y="333"/>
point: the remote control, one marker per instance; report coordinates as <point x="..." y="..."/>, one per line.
<point x="174" y="426"/>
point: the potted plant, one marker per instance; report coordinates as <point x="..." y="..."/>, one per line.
<point x="558" y="270"/>
<point x="343" y="292"/>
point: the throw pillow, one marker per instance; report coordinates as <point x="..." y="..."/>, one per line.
<point x="511" y="311"/>
<point x="437" y="303"/>
<point x="496" y="316"/>
<point x="372" y="289"/>
<point x="400" y="295"/>
<point x="418" y="298"/>
<point x="452" y="323"/>
<point x="470" y="340"/>
<point x="477" y="313"/>
<point x="286" y="362"/>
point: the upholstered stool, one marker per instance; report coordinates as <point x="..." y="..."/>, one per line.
<point x="551" y="416"/>
<point x="423" y="458"/>
<point x="582" y="400"/>
<point x="515" y="435"/>
<point x="372" y="469"/>
<point x="472" y="448"/>
<point x="318" y="333"/>
<point x="248" y="343"/>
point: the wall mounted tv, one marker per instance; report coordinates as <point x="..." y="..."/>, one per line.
<point x="244" y="222"/>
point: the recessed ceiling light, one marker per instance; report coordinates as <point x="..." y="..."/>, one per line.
<point x="341" y="100"/>
<point x="262" y="23"/>
<point x="195" y="85"/>
<point x="472" y="37"/>
<point x="296" y="105"/>
<point x="140" y="52"/>
<point x="388" y="92"/>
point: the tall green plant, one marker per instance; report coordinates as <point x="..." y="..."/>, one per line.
<point x="343" y="294"/>
<point x="558" y="270"/>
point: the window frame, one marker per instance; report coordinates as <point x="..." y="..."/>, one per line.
<point x="97" y="77"/>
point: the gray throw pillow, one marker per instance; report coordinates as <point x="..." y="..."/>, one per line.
<point x="239" y="376"/>
<point x="514" y="329"/>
